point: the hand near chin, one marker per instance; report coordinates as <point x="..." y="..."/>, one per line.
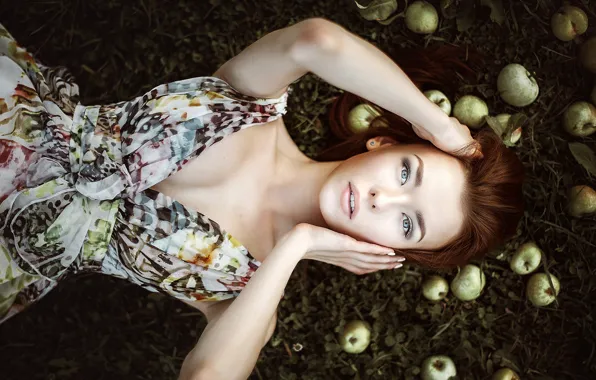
<point x="344" y="251"/>
<point x="452" y="138"/>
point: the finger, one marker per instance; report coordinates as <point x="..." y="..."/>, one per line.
<point x="372" y="258"/>
<point x="364" y="247"/>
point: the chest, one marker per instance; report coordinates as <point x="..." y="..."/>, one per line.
<point x="227" y="183"/>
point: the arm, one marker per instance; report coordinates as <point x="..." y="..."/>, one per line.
<point x="230" y="345"/>
<point x="337" y="56"/>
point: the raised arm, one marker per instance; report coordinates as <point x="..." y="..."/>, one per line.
<point x="343" y="59"/>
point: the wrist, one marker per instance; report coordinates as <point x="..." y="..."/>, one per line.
<point x="435" y="121"/>
<point x="298" y="238"/>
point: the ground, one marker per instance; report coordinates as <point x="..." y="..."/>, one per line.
<point x="94" y="327"/>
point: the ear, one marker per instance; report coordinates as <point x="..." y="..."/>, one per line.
<point x="379" y="141"/>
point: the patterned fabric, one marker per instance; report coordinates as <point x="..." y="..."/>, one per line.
<point x="75" y="184"/>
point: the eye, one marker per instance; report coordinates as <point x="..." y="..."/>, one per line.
<point x="407" y="225"/>
<point x="405" y="173"/>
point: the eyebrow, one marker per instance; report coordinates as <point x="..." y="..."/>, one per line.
<point x="419" y="218"/>
<point x="419" y="171"/>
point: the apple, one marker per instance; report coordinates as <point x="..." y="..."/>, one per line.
<point x="361" y="116"/>
<point x="582" y="201"/>
<point x="471" y="111"/>
<point x="438" y="367"/>
<point x="517" y="86"/>
<point x="355" y="337"/>
<point x="435" y="288"/>
<point x="569" y="22"/>
<point x="469" y="283"/>
<point x="505" y="374"/>
<point x="526" y="259"/>
<point x="587" y="54"/>
<point x="422" y="17"/>
<point x="580" y="119"/>
<point x="439" y="99"/>
<point x="539" y="291"/>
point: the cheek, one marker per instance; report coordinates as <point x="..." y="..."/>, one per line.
<point x="382" y="230"/>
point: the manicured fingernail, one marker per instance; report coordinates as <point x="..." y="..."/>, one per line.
<point x="401" y="259"/>
<point x="398" y="266"/>
<point x="391" y="253"/>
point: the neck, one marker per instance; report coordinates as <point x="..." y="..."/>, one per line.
<point x="293" y="196"/>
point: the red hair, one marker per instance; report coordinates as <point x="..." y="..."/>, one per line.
<point x="492" y="199"/>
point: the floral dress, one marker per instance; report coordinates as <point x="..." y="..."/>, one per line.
<point x="75" y="184"/>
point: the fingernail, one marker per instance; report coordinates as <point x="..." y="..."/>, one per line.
<point x="401" y="259"/>
<point x="398" y="266"/>
<point x="391" y="253"/>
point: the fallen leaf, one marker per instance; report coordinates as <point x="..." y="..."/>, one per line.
<point x="466" y="15"/>
<point x="497" y="14"/>
<point x="377" y="9"/>
<point x="584" y="155"/>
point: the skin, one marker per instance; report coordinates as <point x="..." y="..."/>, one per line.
<point x="278" y="202"/>
<point x="389" y="198"/>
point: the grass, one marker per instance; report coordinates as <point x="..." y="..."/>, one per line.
<point x="95" y="327"/>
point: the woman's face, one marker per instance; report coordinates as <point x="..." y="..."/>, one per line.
<point x="403" y="196"/>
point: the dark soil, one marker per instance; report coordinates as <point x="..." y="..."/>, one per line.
<point x="95" y="327"/>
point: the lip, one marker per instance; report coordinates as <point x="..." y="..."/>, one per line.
<point x="356" y="199"/>
<point x="344" y="201"/>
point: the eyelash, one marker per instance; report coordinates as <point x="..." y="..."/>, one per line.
<point x="406" y="166"/>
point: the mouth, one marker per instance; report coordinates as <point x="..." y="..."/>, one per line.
<point x="352" y="200"/>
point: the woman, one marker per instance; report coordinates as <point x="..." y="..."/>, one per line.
<point x="134" y="189"/>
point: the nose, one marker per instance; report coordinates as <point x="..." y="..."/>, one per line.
<point x="382" y="199"/>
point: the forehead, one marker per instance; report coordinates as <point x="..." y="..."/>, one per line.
<point x="439" y="198"/>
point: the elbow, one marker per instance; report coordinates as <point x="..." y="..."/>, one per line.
<point x="316" y="36"/>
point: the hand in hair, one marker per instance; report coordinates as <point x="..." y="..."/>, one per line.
<point x="454" y="138"/>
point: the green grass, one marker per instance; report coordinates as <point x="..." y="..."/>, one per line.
<point x="95" y="327"/>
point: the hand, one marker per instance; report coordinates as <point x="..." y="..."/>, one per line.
<point x="451" y="138"/>
<point x="344" y="251"/>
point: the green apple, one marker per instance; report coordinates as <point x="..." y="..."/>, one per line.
<point x="517" y="86"/>
<point x="471" y="111"/>
<point x="439" y="99"/>
<point x="539" y="291"/>
<point x="587" y="54"/>
<point x="582" y="201"/>
<point x="435" y="288"/>
<point x="526" y="258"/>
<point x="569" y="22"/>
<point x="469" y="283"/>
<point x="580" y="119"/>
<point x="422" y="17"/>
<point x="505" y="374"/>
<point x="438" y="367"/>
<point x="355" y="337"/>
<point x="361" y="116"/>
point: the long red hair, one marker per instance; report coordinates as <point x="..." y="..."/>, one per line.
<point x="493" y="200"/>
